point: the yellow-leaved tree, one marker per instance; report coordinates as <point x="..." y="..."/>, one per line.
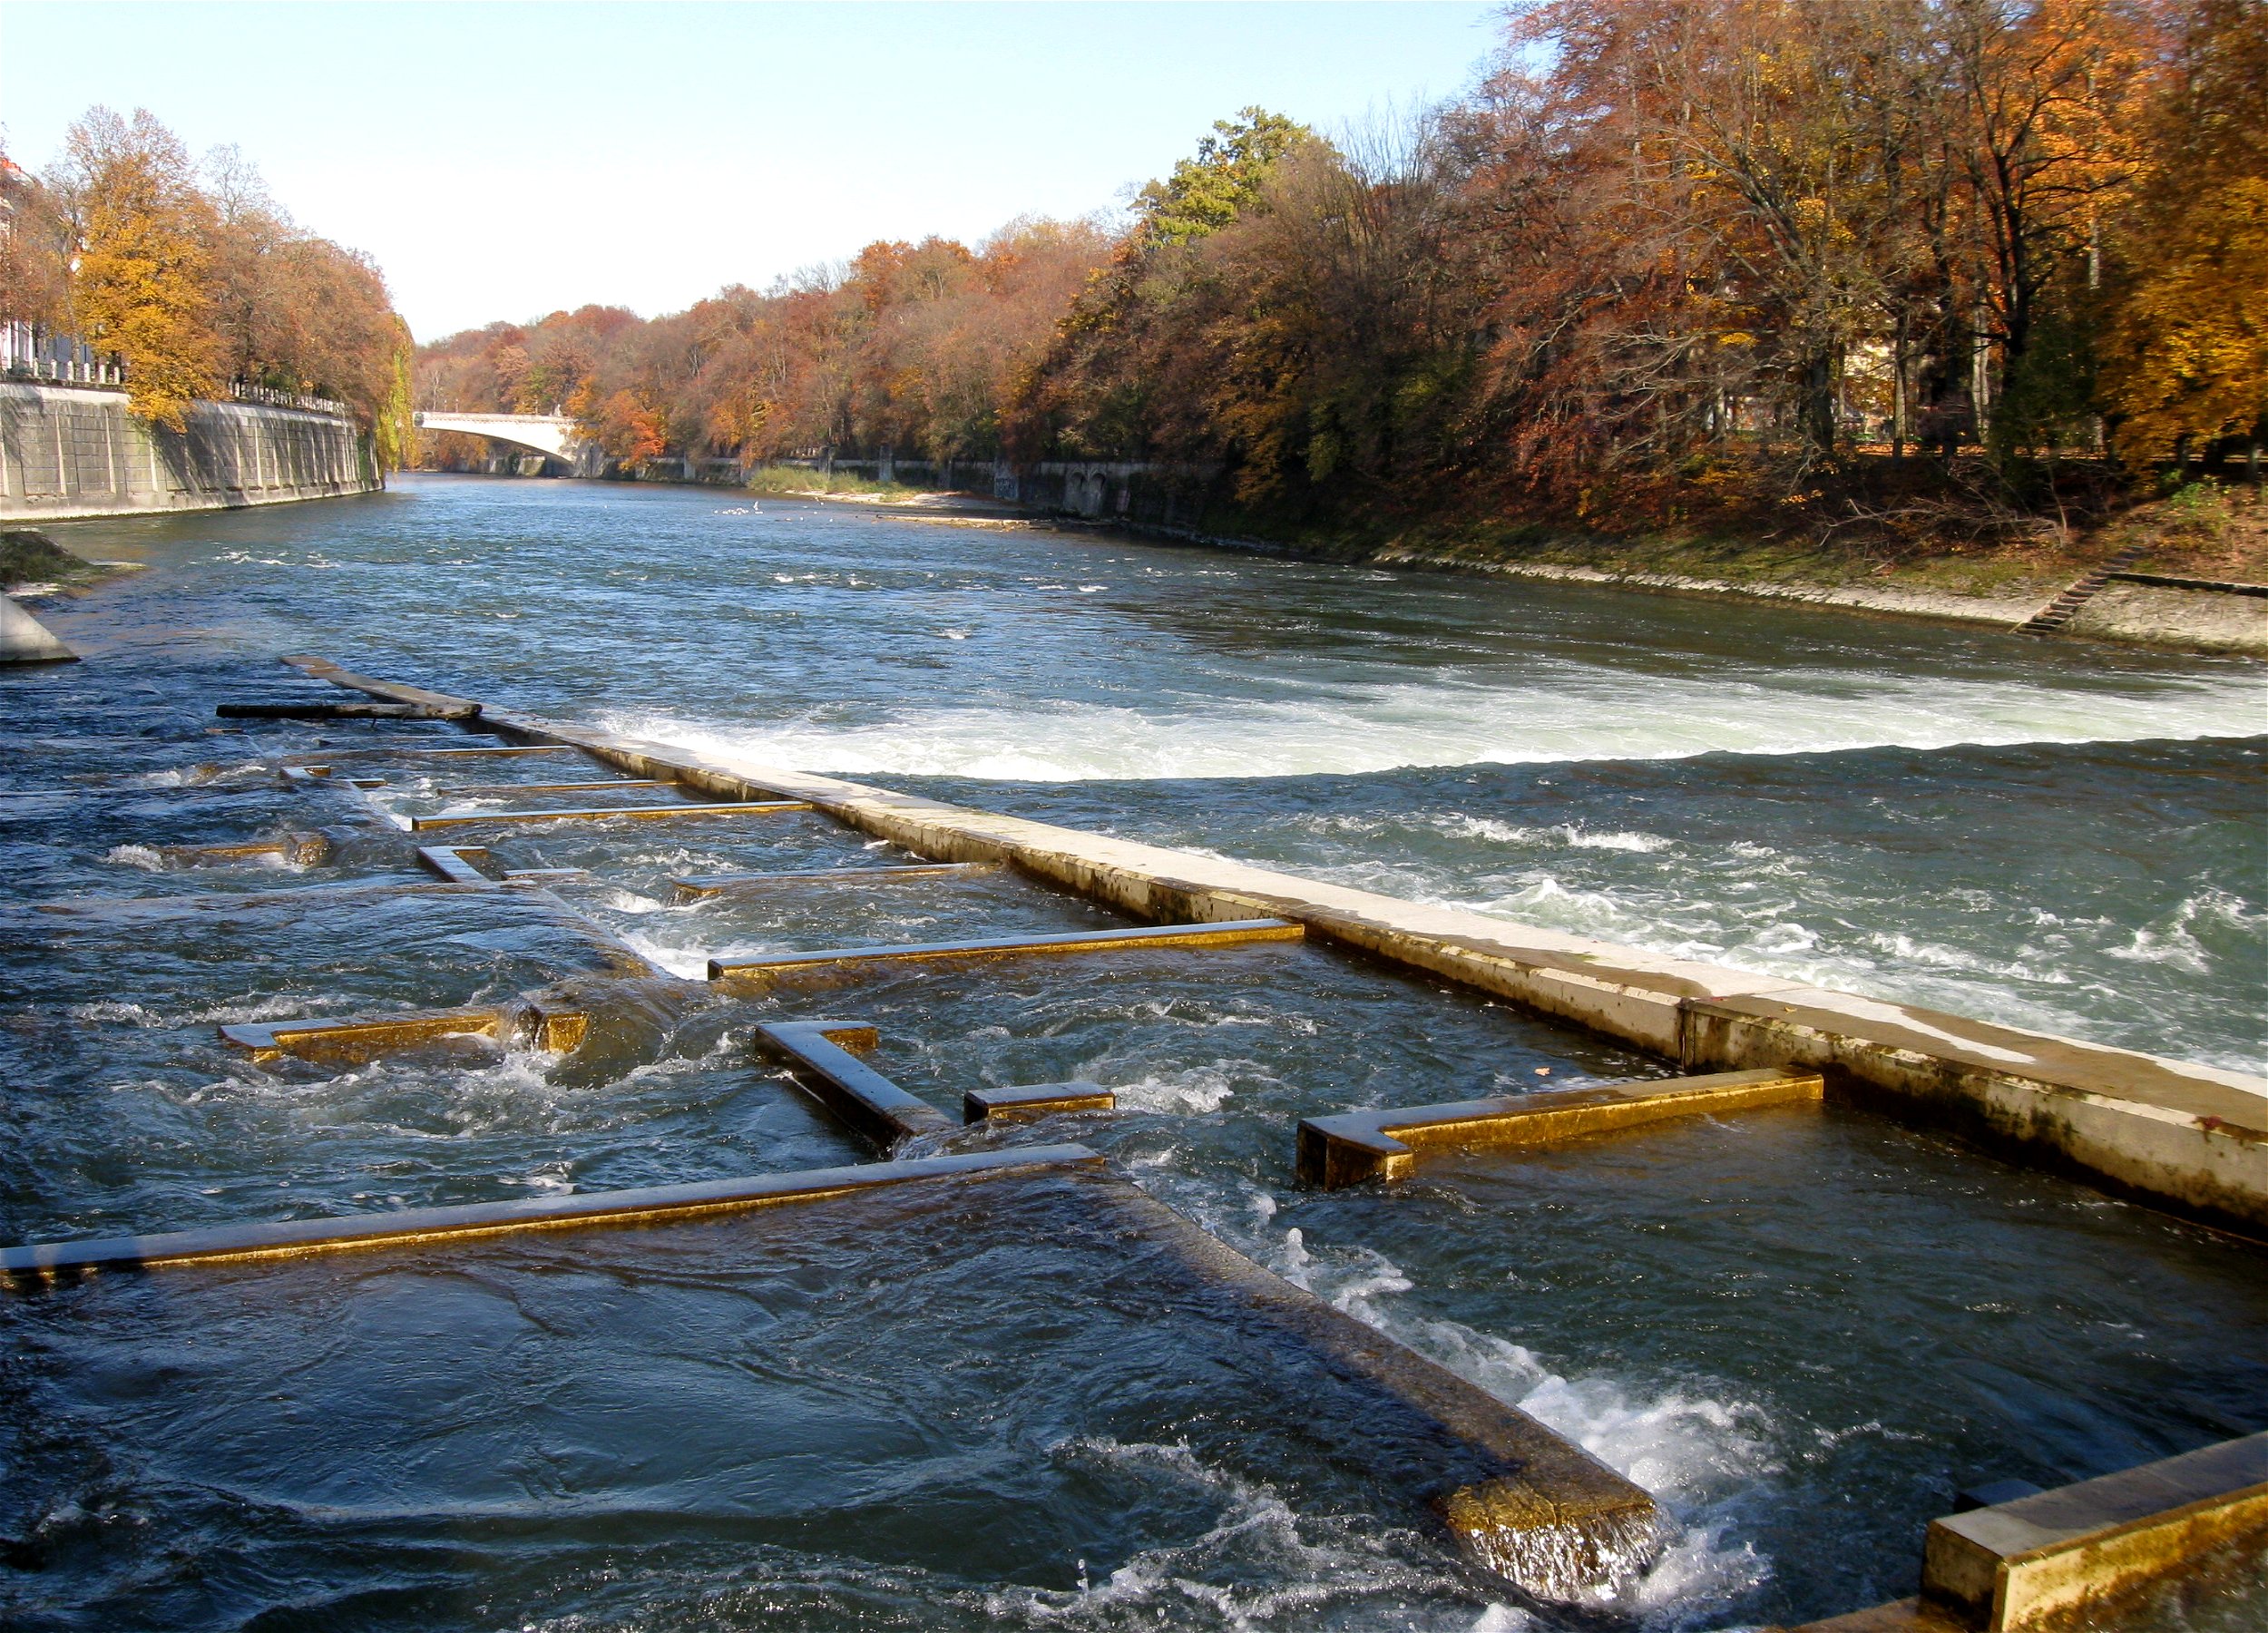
<point x="140" y="229"/>
<point x="2185" y="358"/>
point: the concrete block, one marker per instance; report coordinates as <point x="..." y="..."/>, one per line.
<point x="1029" y="1100"/>
<point x="44" y="1262"/>
<point x="771" y="966"/>
<point x="24" y="640"/>
<point x="418" y="825"/>
<point x="1384" y="1144"/>
<point x="352" y="1040"/>
<point x="703" y="884"/>
<point x="821" y="1053"/>
<point x="2047" y="1557"/>
<point x="291" y="709"/>
<point x="302" y="850"/>
<point x="2190" y="1138"/>
<point x="460" y="864"/>
<point x="1530" y="1505"/>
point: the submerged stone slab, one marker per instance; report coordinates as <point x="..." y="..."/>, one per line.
<point x="472" y="790"/>
<point x="2044" y="1559"/>
<point x="24" y="640"/>
<point x="1904" y="1615"/>
<point x="1237" y="933"/>
<point x="1530" y="1505"/>
<point x="320" y="758"/>
<point x="302" y="850"/>
<point x="702" y="884"/>
<point x="288" y="709"/>
<point x="1384" y="1144"/>
<point x="49" y="1261"/>
<point x="418" y="825"/>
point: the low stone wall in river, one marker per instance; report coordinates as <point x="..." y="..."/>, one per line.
<point x="70" y="451"/>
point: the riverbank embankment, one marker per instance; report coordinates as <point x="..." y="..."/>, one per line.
<point x="2158" y="586"/>
<point x="2173" y="604"/>
<point x="70" y="453"/>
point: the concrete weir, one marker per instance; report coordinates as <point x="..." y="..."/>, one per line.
<point x="36" y="1263"/>
<point x="1335" y="1152"/>
<point x="350" y="1039"/>
<point x="2186" y="1138"/>
<point x="1533" y="1507"/>
<point x="2079" y="1555"/>
<point x="772" y="966"/>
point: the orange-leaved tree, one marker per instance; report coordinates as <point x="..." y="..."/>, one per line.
<point x="2186" y="354"/>
<point x="139" y="286"/>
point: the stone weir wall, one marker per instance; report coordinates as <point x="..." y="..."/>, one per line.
<point x="68" y="451"/>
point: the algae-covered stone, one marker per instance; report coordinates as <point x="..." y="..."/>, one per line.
<point x="28" y="557"/>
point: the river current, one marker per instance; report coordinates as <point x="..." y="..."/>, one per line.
<point x="1803" y="1332"/>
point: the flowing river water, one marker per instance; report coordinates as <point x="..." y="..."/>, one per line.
<point x="1801" y="1331"/>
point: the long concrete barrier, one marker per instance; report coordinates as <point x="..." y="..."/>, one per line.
<point x="2188" y="1138"/>
<point x="1385" y="1143"/>
<point x="2081" y="1555"/>
<point x="36" y="1263"/>
<point x="1533" y="1506"/>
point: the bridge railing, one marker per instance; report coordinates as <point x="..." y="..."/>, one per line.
<point x="67" y="371"/>
<point x="245" y="393"/>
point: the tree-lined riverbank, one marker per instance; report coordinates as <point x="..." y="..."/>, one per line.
<point x="1900" y="279"/>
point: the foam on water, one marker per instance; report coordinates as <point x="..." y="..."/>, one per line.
<point x="1691" y="1450"/>
<point x="1572" y="715"/>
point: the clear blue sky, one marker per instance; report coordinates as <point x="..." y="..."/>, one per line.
<point x="505" y="160"/>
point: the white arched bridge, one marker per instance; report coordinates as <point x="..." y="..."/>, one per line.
<point x="554" y="436"/>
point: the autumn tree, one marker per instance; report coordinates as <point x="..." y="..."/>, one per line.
<point x="35" y="242"/>
<point x="2187" y="340"/>
<point x="141" y="232"/>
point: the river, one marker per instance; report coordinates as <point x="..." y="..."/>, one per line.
<point x="1802" y="1332"/>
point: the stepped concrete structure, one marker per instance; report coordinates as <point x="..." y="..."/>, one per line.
<point x="2179" y="1135"/>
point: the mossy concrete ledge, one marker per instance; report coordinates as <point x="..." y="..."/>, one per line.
<point x="351" y="1041"/>
<point x="42" y="1262"/>
<point x="2185" y="1137"/>
<point x="2080" y="1556"/>
<point x="2047" y="1557"/>
<point x="1384" y="1144"/>
<point x="769" y="967"/>
<point x="1025" y="1101"/>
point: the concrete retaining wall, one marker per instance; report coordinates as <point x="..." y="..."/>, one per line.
<point x="67" y="451"/>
